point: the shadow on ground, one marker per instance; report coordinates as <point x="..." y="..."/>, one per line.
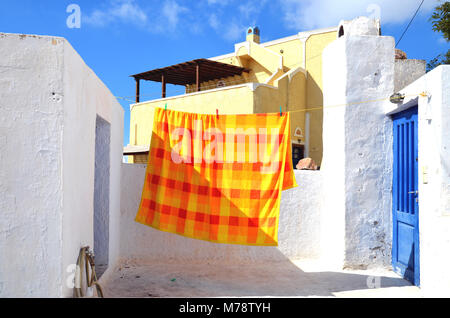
<point x="282" y="279"/>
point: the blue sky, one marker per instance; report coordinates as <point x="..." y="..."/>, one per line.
<point x="118" y="38"/>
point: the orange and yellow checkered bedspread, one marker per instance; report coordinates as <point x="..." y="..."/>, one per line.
<point x="217" y="178"/>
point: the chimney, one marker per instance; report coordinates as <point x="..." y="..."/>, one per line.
<point x="253" y="34"/>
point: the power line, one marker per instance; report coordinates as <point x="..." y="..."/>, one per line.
<point x="407" y="27"/>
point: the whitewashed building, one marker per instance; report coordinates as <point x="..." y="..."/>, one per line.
<point x="380" y="200"/>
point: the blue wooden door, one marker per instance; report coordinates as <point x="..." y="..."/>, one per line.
<point x="405" y="245"/>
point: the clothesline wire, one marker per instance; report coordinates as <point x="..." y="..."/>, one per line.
<point x="348" y="104"/>
<point x="306" y="109"/>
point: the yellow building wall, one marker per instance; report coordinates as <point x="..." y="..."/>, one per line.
<point x="259" y="73"/>
<point x="238" y="100"/>
<point x="297" y="92"/>
<point x="292" y="53"/>
<point x="141" y="158"/>
<point x="297" y="103"/>
<point x="269" y="99"/>
<point x="306" y="93"/>
<point x="228" y="81"/>
<point x="289" y="93"/>
<point x="314" y="96"/>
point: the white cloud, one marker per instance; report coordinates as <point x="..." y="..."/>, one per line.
<point x="219" y="2"/>
<point x="230" y="31"/>
<point x="213" y="21"/>
<point x="165" y="18"/>
<point x="118" y="10"/>
<point x="171" y="12"/>
<point x="234" y="31"/>
<point x="244" y="14"/>
<point x="250" y="9"/>
<point x="310" y="14"/>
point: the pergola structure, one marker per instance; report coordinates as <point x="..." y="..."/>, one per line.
<point x="188" y="73"/>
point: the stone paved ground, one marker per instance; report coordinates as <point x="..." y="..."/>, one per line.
<point x="281" y="279"/>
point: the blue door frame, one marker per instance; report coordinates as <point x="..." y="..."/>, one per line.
<point x="405" y="196"/>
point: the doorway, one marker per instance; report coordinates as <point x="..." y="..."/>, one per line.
<point x="101" y="195"/>
<point x="405" y="210"/>
<point x="298" y="153"/>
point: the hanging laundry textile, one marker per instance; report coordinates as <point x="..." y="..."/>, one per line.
<point x="217" y="178"/>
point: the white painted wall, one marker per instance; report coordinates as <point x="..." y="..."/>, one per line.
<point x="434" y="176"/>
<point x="357" y="167"/>
<point x="49" y="100"/>
<point x="357" y="162"/>
<point x="86" y="97"/>
<point x="298" y="234"/>
<point x="31" y="139"/>
<point x="333" y="160"/>
<point x="360" y="26"/>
